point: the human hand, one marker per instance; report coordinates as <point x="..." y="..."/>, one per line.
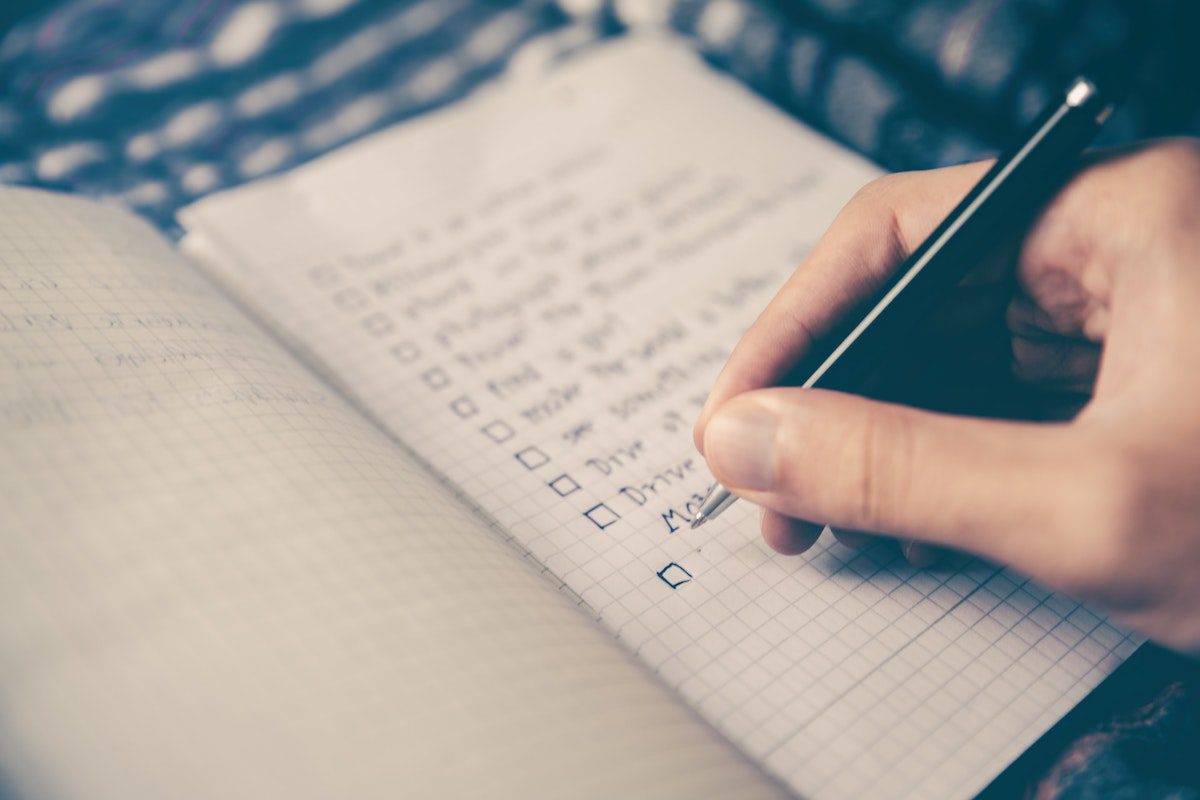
<point x="1099" y="308"/>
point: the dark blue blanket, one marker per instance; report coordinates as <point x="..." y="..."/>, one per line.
<point x="157" y="102"/>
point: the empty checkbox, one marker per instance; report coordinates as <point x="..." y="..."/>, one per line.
<point x="564" y="485"/>
<point x="378" y="324"/>
<point x="601" y="516"/>
<point x="532" y="458"/>
<point x="436" y="378"/>
<point x="405" y="352"/>
<point x="498" y="431"/>
<point x="674" y="575"/>
<point x="464" y="407"/>
<point x="350" y="300"/>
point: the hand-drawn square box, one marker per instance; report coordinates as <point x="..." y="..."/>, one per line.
<point x="350" y="300"/>
<point x="498" y="431"/>
<point x="436" y="378"/>
<point x="532" y="457"/>
<point x="564" y="485"/>
<point x="378" y="324"/>
<point x="464" y="407"/>
<point x="601" y="515"/>
<point x="674" y="575"/>
<point x="405" y="352"/>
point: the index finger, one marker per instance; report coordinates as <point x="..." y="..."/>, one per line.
<point x="869" y="239"/>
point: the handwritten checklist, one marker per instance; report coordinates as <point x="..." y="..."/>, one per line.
<point x="578" y="270"/>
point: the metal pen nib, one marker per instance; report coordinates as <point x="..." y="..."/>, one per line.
<point x="716" y="501"/>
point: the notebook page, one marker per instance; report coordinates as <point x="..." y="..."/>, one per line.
<point x="220" y="581"/>
<point x="534" y="290"/>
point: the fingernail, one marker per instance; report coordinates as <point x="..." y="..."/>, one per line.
<point x="739" y="444"/>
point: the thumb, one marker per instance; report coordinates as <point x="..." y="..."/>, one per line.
<point x="985" y="486"/>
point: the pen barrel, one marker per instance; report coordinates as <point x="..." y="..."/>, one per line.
<point x="998" y="209"/>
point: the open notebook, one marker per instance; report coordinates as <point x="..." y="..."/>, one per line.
<point x="381" y="488"/>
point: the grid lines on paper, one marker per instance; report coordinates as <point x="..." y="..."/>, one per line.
<point x="220" y="580"/>
<point x="845" y="674"/>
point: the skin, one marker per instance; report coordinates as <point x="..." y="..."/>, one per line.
<point x="1066" y="442"/>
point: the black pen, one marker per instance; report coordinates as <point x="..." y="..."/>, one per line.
<point x="1008" y="197"/>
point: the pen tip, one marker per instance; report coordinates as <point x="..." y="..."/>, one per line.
<point x="699" y="520"/>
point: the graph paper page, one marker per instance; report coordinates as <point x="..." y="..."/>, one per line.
<point x="534" y="290"/>
<point x="219" y="580"/>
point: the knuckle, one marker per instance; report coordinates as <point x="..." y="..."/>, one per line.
<point x="1180" y="155"/>
<point x="1172" y="167"/>
<point x="877" y="198"/>
<point x="877" y="188"/>
<point x="874" y="216"/>
<point x="798" y="323"/>
<point x="879" y="457"/>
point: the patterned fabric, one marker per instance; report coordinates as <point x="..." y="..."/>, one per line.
<point x="154" y="103"/>
<point x="1135" y="755"/>
<point x="157" y="102"/>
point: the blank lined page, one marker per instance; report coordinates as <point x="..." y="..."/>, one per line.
<point x="534" y="291"/>
<point x="220" y="581"/>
